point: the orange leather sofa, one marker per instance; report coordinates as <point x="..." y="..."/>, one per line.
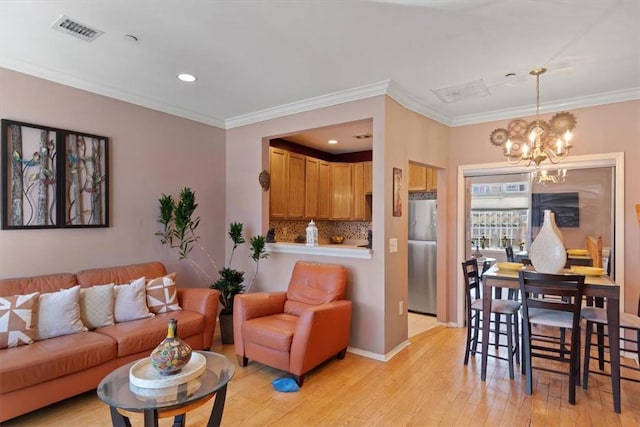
<point x="296" y="330"/>
<point x="36" y="375"/>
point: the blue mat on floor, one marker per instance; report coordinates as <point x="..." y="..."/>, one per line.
<point x="285" y="385"/>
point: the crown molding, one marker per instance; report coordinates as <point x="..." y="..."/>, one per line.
<point x="331" y="99"/>
<point x="403" y="98"/>
<point x="385" y="87"/>
<point x="549" y="107"/>
<point x="82" y="84"/>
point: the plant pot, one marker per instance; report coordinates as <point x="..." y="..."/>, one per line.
<point x="226" y="328"/>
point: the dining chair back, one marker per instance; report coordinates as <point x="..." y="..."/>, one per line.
<point x="559" y="309"/>
<point x="474" y="303"/>
<point x="594" y="247"/>
<point x="509" y="253"/>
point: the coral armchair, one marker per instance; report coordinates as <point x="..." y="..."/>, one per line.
<point x="296" y="330"/>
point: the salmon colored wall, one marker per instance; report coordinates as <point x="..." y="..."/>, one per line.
<point x="409" y="136"/>
<point x="376" y="286"/>
<point x="247" y="155"/>
<point x="150" y="153"/>
<point x="601" y="129"/>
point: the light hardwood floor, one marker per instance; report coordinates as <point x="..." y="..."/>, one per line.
<point x="419" y="323"/>
<point x="424" y="385"/>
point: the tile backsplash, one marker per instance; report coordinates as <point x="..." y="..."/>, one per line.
<point x="354" y="232"/>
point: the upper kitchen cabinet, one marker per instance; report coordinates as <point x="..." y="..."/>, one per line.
<point x="432" y="179"/>
<point x="278" y="187"/>
<point x="359" y="205"/>
<point x="317" y="192"/>
<point x="368" y="177"/>
<point x="422" y="178"/>
<point x="341" y="191"/>
<point x="324" y="190"/>
<point x="296" y="191"/>
<point x="287" y="173"/>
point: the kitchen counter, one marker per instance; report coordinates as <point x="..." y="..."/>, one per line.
<point x="337" y="250"/>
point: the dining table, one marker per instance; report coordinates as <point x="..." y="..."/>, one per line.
<point x="600" y="287"/>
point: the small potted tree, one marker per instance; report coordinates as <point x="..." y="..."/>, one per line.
<point x="231" y="281"/>
<point x="178" y="232"/>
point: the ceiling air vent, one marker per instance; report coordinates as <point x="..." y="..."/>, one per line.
<point x="459" y="93"/>
<point x="76" y="29"/>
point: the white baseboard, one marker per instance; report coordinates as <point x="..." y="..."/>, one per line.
<point x="378" y="356"/>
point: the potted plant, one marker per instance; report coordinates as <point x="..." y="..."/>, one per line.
<point x="231" y="281"/>
<point x="179" y="232"/>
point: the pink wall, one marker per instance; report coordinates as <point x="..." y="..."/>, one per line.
<point x="602" y="129"/>
<point x="151" y="153"/>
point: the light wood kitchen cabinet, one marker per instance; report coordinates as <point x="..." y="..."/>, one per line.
<point x="317" y="193"/>
<point x="422" y="178"/>
<point x="341" y="191"/>
<point x="308" y="188"/>
<point x="432" y="179"/>
<point x="311" y="187"/>
<point x="359" y="205"/>
<point x="368" y="177"/>
<point x="324" y="190"/>
<point x="296" y="183"/>
<point x="417" y="178"/>
<point x="279" y="184"/>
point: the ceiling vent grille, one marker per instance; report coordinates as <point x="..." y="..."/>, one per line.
<point x="459" y="93"/>
<point x="76" y="29"/>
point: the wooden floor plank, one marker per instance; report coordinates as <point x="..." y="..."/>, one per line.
<point x="426" y="384"/>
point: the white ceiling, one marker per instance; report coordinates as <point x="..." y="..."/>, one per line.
<point x="256" y="60"/>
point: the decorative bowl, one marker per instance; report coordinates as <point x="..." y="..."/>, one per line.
<point x="510" y="266"/>
<point x="336" y="239"/>
<point x="587" y="271"/>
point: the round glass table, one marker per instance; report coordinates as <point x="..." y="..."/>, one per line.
<point x="116" y="391"/>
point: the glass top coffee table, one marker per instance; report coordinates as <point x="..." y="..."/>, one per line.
<point x="174" y="401"/>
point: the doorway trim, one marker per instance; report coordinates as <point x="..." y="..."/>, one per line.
<point x="576" y="162"/>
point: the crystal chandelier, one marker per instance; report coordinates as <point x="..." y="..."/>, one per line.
<point x="542" y="176"/>
<point x="538" y="140"/>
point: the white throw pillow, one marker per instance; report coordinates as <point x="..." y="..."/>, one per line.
<point x="96" y="306"/>
<point x="131" y="301"/>
<point x="59" y="314"/>
<point x="162" y="294"/>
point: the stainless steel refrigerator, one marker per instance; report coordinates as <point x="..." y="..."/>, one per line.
<point x="422" y="256"/>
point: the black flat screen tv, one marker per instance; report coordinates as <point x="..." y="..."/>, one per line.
<point x="565" y="206"/>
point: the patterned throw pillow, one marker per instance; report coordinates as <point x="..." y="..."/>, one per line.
<point x="162" y="294"/>
<point x="17" y="318"/>
<point x="96" y="306"/>
<point x="131" y="301"/>
<point x="59" y="314"/>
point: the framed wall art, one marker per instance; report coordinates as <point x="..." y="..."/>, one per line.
<point x="30" y="175"/>
<point x="397" y="192"/>
<point x="53" y="177"/>
<point x="86" y="184"/>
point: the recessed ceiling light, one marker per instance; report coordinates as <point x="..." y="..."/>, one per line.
<point x="131" y="38"/>
<point x="332" y="141"/>
<point x="189" y="78"/>
<point x="362" y="136"/>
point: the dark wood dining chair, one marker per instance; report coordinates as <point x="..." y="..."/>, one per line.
<point x="509" y="253"/>
<point x="474" y="303"/>
<point x="560" y="308"/>
<point x="597" y="317"/>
